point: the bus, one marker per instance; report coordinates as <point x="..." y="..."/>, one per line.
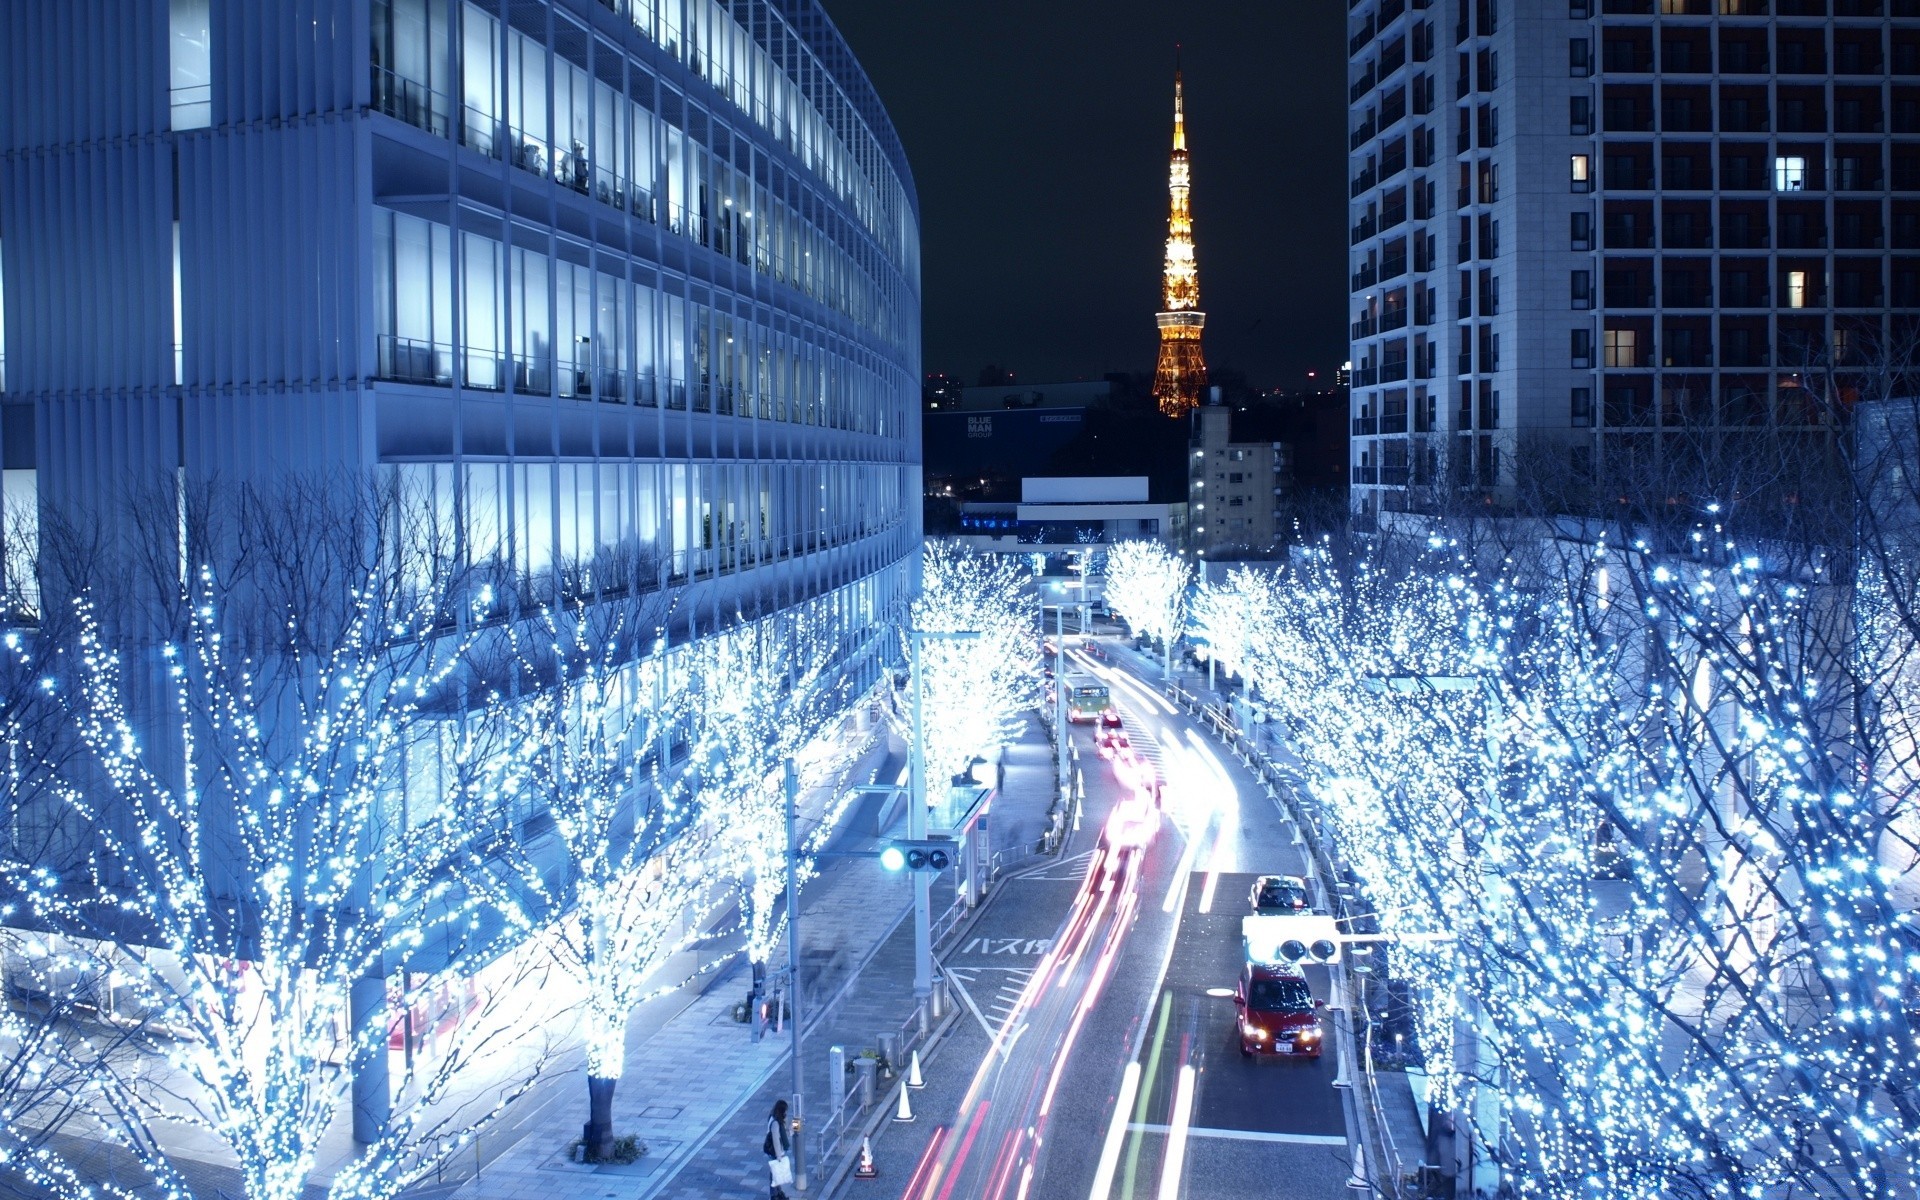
<point x="1087" y="698"/>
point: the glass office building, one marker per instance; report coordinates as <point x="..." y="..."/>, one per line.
<point x="595" y="274"/>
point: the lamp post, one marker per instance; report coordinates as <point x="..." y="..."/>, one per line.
<point x="917" y="822"/>
<point x="797" y="1144"/>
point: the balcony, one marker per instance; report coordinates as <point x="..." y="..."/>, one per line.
<point x="1362" y="135"/>
<point x="1365" y="229"/>
<point x="1364" y="328"/>
<point x="1393" y="267"/>
<point x="1366" y="277"/>
<point x="414" y="103"/>
<point x="1363" y="85"/>
<point x="1393" y="318"/>
<point x="1364" y="180"/>
<point x="1366" y="426"/>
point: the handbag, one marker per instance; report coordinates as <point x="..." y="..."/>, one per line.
<point x="781" y="1169"/>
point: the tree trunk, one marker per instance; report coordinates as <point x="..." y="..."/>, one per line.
<point x="598" y="1132"/>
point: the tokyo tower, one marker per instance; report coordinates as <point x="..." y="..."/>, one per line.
<point x="1181" y="374"/>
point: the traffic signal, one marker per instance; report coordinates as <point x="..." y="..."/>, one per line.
<point x="931" y="855"/>
<point x="1291" y="938"/>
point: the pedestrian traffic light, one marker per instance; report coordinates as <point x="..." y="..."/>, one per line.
<point x="1291" y="938"/>
<point x="931" y="855"/>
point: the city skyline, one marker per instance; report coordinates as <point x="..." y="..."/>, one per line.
<point x="1266" y="99"/>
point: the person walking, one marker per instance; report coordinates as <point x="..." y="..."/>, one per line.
<point x="779" y="1152"/>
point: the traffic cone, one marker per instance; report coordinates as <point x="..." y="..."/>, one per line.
<point x="904" y="1114"/>
<point x="913" y="1072"/>
<point x="865" y="1168"/>
<point x="1357" y="1181"/>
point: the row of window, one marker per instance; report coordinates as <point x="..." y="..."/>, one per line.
<point x="689" y="520"/>
<point x="526" y="105"/>
<point x="493" y="316"/>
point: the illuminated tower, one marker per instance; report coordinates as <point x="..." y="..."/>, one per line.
<point x="1181" y="373"/>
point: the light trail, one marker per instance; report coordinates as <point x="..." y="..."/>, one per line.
<point x="1176" y="1160"/>
<point x="1116" y="1133"/>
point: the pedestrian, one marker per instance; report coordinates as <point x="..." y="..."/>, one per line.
<point x="779" y="1157"/>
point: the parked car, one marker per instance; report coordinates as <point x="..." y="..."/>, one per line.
<point x="1279" y="894"/>
<point x="1278" y="1014"/>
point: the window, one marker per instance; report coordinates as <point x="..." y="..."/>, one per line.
<point x="1583" y="289"/>
<point x="1582" y="172"/>
<point x="1789" y="173"/>
<point x="1579" y="115"/>
<point x="1796" y="289"/>
<point x="1579" y="57"/>
<point x="1581" y="230"/>
<point x="1622" y="348"/>
<point x="188" y="64"/>
<point x="179" y="317"/>
<point x="1581" y="408"/>
<point x="1579" y="10"/>
<point x="1582" y="355"/>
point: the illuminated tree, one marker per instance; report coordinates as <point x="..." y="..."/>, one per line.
<point x="759" y="694"/>
<point x="1605" y="801"/>
<point x="260" y="872"/>
<point x="1229" y="614"/>
<point x="1147" y="587"/>
<point x="973" y="690"/>
<point x="628" y="881"/>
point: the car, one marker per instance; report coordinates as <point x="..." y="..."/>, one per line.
<point x="1277" y="1012"/>
<point x="1112" y="743"/>
<point x="1110" y="719"/>
<point x="1130" y="827"/>
<point x="1279" y="894"/>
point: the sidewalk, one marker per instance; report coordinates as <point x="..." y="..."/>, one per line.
<point x="698" y="1090"/>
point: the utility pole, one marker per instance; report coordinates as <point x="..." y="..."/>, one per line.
<point x="917" y="831"/>
<point x="796" y="1142"/>
<point x="1060" y="693"/>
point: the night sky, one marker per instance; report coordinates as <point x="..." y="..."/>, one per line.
<point x="1039" y="131"/>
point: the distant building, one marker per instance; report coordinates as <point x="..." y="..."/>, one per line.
<point x="1239" y="487"/>
<point x="1078" y="394"/>
<point x="1057" y="514"/>
<point x="940" y="393"/>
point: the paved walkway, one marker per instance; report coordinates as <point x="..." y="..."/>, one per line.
<point x="698" y="1088"/>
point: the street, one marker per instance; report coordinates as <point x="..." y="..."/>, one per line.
<point x="1099" y="1049"/>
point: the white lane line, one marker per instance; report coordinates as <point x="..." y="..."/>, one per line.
<point x="971" y="1006"/>
<point x="1246" y="1135"/>
<point x="1177" y="1135"/>
<point x="1116" y="1133"/>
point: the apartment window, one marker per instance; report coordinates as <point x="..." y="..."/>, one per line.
<point x="1581" y="407"/>
<point x="1581" y="230"/>
<point x="189" y="61"/>
<point x="1583" y="289"/>
<point x="1582" y="355"/>
<point x="1582" y="171"/>
<point x="1789" y="173"/>
<point x="1796" y="289"/>
<point x="1579" y="57"/>
<point x="1622" y="348"/>
<point x="1579" y="10"/>
<point x="1579" y="115"/>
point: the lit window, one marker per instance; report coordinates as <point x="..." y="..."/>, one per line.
<point x="188" y="57"/>
<point x="1796" y="289"/>
<point x="1620" y="347"/>
<point x="1582" y="173"/>
<point x="1789" y="173"/>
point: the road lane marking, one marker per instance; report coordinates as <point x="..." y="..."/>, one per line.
<point x="1246" y="1135"/>
<point x="1176" y="1158"/>
<point x="967" y="999"/>
<point x="1116" y="1133"/>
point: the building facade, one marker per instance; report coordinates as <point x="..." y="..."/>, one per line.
<point x="1580" y="228"/>
<point x="619" y="275"/>
<point x="1239" y="487"/>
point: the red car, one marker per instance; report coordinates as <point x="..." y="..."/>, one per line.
<point x="1278" y="1015"/>
<point x="1112" y="742"/>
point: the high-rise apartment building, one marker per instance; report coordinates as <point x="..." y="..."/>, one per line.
<point x="627" y="276"/>
<point x="1581" y="225"/>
